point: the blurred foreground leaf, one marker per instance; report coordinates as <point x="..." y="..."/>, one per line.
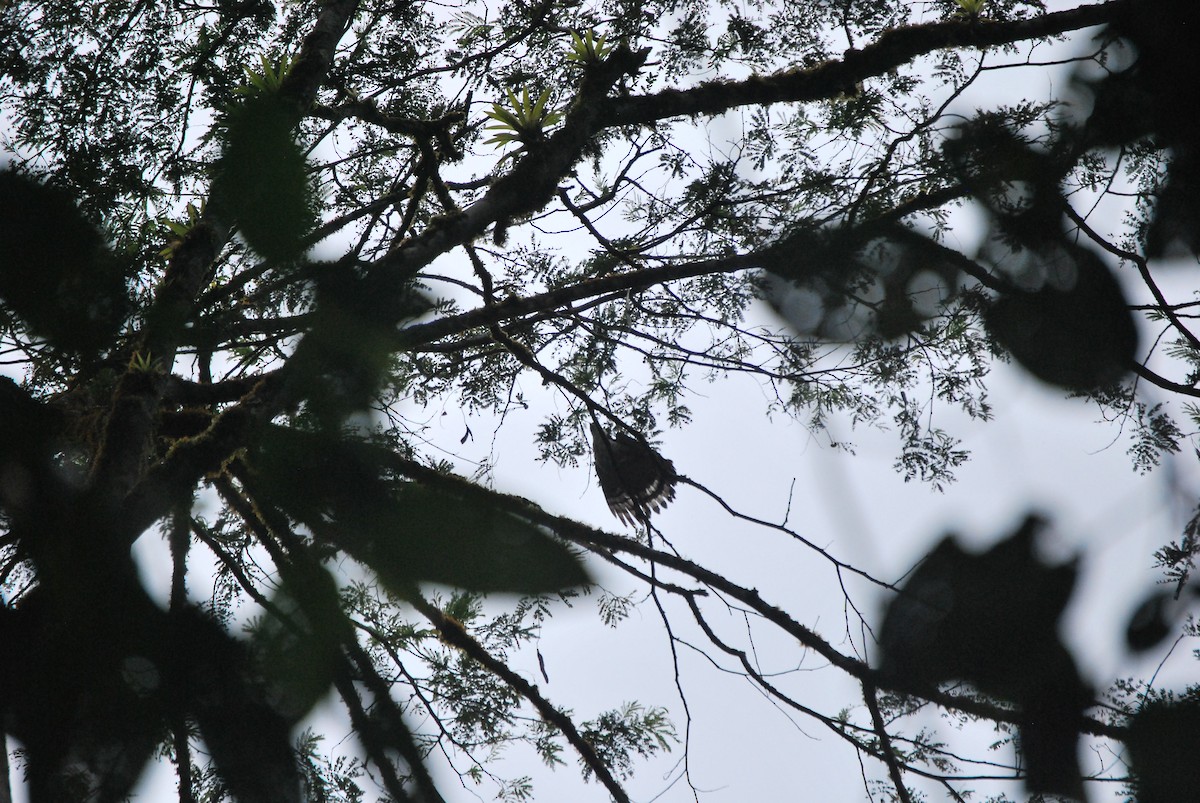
<point x="991" y="619"/>
<point x="57" y="274"/>
<point x="248" y="738"/>
<point x="1076" y="331"/>
<point x="1163" y="741"/>
<point x="262" y="181"/>
<point x="298" y="657"/>
<point x="406" y="532"/>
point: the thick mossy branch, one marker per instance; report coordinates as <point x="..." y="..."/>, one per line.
<point x="527" y="188"/>
<point x="133" y="421"/>
<point x="894" y="49"/>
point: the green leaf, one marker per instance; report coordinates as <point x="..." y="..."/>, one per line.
<point x="342" y="363"/>
<point x="469" y="544"/>
<point x="525" y="122"/>
<point x="589" y="48"/>
<point x="298" y="656"/>
<point x="262" y="181"/>
<point x="340" y="366"/>
<point x="406" y="532"/>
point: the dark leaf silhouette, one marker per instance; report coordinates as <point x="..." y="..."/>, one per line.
<point x="1016" y="181"/>
<point x="1151" y="622"/>
<point x="406" y="532"/>
<point x="1061" y="314"/>
<point x="844" y="284"/>
<point x="1177" y="215"/>
<point x="1163" y="742"/>
<point x="340" y="366"/>
<point x="991" y="619"/>
<point x="1142" y="98"/>
<point x="1159" y="615"/>
<point x="24" y="439"/>
<point x="297" y="656"/>
<point x="57" y="274"/>
<point x="247" y="736"/>
<point x="261" y="180"/>
<point x="1076" y="331"/>
<point x="81" y="692"/>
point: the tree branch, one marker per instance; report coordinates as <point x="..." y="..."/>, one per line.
<point x="596" y="540"/>
<point x="454" y="634"/>
<point x="886" y="751"/>
<point x="132" y="424"/>
<point x="893" y="49"/>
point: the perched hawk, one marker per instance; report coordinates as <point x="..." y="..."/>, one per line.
<point x="636" y="480"/>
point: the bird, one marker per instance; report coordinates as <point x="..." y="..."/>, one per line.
<point x="636" y="480"/>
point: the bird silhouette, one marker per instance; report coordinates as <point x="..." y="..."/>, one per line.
<point x="636" y="480"/>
